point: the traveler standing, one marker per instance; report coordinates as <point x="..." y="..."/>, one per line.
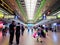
<point x="4" y="31"/>
<point x="17" y="33"/>
<point x="12" y="27"/>
<point x="22" y="29"/>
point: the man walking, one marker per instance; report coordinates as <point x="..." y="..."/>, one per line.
<point x="17" y="33"/>
<point x="22" y="29"/>
<point x="12" y="27"/>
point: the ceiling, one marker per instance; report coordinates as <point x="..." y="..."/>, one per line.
<point x="42" y="6"/>
<point x="13" y="6"/>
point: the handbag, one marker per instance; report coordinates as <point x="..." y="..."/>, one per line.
<point x="35" y="34"/>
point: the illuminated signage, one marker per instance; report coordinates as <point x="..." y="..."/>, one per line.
<point x="1" y="14"/>
<point x="51" y="17"/>
<point x="58" y="16"/>
<point x="8" y="16"/>
<point x="44" y="17"/>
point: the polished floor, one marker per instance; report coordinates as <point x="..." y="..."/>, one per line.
<point x="27" y="39"/>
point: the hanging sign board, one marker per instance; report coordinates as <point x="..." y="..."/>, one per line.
<point x="9" y="16"/>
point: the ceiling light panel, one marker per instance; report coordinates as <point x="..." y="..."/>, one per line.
<point x="30" y="7"/>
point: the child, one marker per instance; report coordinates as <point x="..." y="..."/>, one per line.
<point x="4" y="31"/>
<point x="39" y="34"/>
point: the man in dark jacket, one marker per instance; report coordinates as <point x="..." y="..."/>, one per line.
<point x="17" y="33"/>
<point x="22" y="29"/>
<point x="11" y="31"/>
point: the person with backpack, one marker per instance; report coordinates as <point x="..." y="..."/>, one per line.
<point x="43" y="32"/>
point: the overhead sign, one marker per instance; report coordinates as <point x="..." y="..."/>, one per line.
<point x="51" y="17"/>
<point x="15" y="17"/>
<point x="44" y="17"/>
<point x="58" y="16"/>
<point x="9" y="16"/>
<point x="1" y="15"/>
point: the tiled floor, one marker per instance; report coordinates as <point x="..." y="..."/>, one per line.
<point x="27" y="39"/>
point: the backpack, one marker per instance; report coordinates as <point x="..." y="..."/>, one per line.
<point x="44" y="31"/>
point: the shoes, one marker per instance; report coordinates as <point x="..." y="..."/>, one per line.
<point x="17" y="44"/>
<point x="10" y="44"/>
<point x="41" y="41"/>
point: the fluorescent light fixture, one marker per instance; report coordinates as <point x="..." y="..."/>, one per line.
<point x="30" y="7"/>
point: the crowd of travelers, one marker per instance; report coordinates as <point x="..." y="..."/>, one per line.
<point x="18" y="29"/>
<point x="40" y="32"/>
<point x="13" y="29"/>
